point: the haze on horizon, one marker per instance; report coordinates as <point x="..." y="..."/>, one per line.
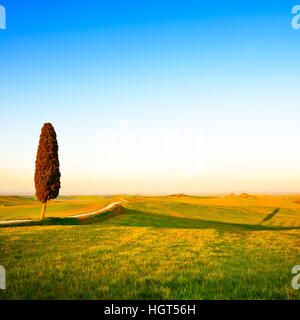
<point x="179" y="97"/>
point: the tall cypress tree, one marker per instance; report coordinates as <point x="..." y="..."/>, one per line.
<point x="47" y="174"/>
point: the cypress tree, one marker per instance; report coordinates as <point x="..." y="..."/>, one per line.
<point x="47" y="174"/>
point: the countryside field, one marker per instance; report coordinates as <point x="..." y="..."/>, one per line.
<point x="172" y="247"/>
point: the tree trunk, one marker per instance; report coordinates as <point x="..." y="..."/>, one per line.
<point x="43" y="210"/>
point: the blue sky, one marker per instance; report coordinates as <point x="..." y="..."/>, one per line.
<point x="152" y="96"/>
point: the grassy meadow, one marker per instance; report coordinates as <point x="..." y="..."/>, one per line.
<point x="173" y="247"/>
<point x="17" y="207"/>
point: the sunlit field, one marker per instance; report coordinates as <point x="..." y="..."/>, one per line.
<point x="175" y="247"/>
<point x="14" y="207"/>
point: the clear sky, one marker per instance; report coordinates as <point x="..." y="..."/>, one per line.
<point x="152" y="96"/>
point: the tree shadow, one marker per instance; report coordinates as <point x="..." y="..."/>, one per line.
<point x="271" y="215"/>
<point x="147" y="219"/>
<point x="121" y="216"/>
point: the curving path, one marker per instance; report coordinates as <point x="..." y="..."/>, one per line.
<point x="14" y="221"/>
<point x="109" y="207"/>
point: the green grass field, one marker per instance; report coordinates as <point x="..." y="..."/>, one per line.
<point x="13" y="207"/>
<point x="176" y="247"/>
